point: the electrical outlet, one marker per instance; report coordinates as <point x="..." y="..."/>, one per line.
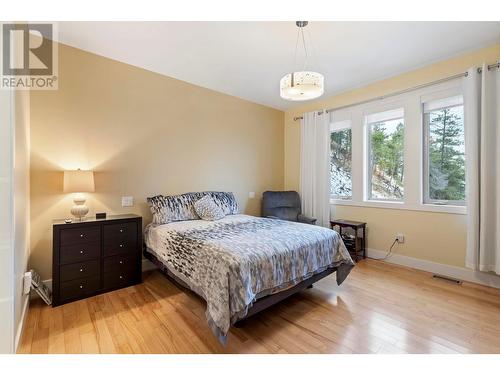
<point x="127" y="201"/>
<point x="400" y="237"/>
<point x="251" y="194"/>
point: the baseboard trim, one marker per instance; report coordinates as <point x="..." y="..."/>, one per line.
<point x="22" y="324"/>
<point x="460" y="273"/>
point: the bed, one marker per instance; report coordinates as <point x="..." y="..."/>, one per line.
<point x="240" y="264"/>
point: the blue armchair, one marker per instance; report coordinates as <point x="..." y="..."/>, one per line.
<point x="284" y="205"/>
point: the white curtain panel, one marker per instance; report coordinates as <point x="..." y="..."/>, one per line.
<point x="482" y="149"/>
<point x="314" y="171"/>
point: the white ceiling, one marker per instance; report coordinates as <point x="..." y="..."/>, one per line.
<point x="247" y="59"/>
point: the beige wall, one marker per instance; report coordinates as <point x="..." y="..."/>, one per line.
<point x="431" y="236"/>
<point x="143" y="134"/>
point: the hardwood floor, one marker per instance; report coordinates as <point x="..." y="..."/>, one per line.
<point x="381" y="308"/>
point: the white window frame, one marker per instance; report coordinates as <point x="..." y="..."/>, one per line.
<point x="426" y="199"/>
<point x="336" y="127"/>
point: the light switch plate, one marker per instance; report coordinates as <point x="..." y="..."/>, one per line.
<point x="127" y="201"/>
<point x="251" y="194"/>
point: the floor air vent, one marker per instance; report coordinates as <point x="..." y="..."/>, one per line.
<point x="446" y="278"/>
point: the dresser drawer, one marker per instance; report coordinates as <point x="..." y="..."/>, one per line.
<point x="118" y="279"/>
<point x="79" y="253"/>
<point x="77" y="236"/>
<point x="119" y="263"/>
<point x="120" y="247"/>
<point x="79" y="270"/>
<point x="79" y="288"/>
<point x="117" y="246"/>
<point x="120" y="232"/>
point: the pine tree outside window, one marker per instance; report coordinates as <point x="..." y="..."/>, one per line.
<point x="385" y="163"/>
<point x="444" y="152"/>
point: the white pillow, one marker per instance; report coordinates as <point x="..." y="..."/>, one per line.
<point x="207" y="209"/>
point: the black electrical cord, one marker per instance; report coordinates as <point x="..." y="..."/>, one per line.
<point x="389" y="253"/>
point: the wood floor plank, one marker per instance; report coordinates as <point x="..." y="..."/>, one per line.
<point x="40" y="341"/>
<point x="381" y="308"/>
<point x="56" y="332"/>
<point x="72" y="339"/>
<point x="29" y="329"/>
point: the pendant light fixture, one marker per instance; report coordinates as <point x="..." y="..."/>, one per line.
<point x="304" y="84"/>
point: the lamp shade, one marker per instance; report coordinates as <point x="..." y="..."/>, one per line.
<point x="78" y="181"/>
<point x="299" y="86"/>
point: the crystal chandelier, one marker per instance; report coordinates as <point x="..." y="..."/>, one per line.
<point x="304" y="84"/>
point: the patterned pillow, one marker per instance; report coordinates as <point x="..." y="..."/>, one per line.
<point x="226" y="201"/>
<point x="207" y="209"/>
<point x="166" y="209"/>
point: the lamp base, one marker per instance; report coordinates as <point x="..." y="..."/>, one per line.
<point x="79" y="210"/>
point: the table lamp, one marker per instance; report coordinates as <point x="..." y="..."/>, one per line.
<point x="79" y="182"/>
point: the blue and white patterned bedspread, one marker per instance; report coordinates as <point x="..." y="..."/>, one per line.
<point x="232" y="261"/>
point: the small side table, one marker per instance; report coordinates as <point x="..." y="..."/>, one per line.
<point x="355" y="225"/>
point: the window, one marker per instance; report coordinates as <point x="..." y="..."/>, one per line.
<point x="341" y="160"/>
<point x="385" y="164"/>
<point x="444" y="151"/>
<point x="403" y="152"/>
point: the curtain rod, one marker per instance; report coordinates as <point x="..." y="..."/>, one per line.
<point x="479" y="70"/>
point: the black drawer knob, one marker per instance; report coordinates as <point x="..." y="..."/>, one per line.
<point x="82" y="235"/>
<point x="121" y="230"/>
<point x="121" y="245"/>
<point x="121" y="261"/>
<point x="121" y="277"/>
<point x="82" y="251"/>
<point x="81" y="269"/>
<point x="81" y="286"/>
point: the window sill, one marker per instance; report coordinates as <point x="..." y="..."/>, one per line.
<point x="449" y="209"/>
<point x="452" y="209"/>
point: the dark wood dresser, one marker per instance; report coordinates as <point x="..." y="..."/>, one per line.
<point x="95" y="256"/>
